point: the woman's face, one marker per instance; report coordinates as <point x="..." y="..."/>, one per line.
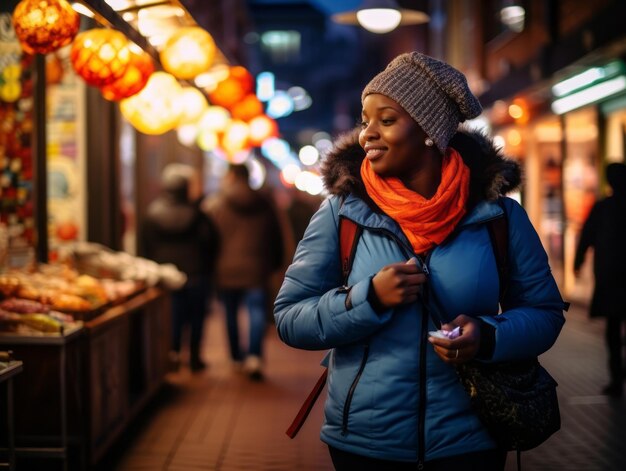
<point x="392" y="140"/>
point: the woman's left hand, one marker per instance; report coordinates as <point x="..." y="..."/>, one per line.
<point x="463" y="348"/>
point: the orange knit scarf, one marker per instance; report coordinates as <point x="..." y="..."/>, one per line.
<point x="425" y="222"/>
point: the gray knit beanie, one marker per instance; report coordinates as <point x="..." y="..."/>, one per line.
<point x="434" y="93"/>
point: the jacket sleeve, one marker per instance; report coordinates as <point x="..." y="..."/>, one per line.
<point x="310" y="309"/>
<point x="532" y="308"/>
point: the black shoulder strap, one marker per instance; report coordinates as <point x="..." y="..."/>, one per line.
<point x="499" y="234"/>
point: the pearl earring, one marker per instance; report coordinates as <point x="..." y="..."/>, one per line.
<point x="429" y="142"/>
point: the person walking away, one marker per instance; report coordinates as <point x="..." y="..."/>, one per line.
<point x="176" y="231"/>
<point x="423" y="195"/>
<point x="252" y="250"/>
<point x="604" y="230"/>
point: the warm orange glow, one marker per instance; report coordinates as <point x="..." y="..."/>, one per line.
<point x="100" y="56"/>
<point x="518" y="110"/>
<point x="156" y="109"/>
<point x="235" y="138"/>
<point x="43" y="26"/>
<point x="214" y="118"/>
<point x="261" y="128"/>
<point x="189" y="52"/>
<point x="249" y="107"/>
<point x="134" y="79"/>
<point x="207" y="140"/>
<point x="514" y="138"/>
<point x="193" y="103"/>
<point x="233" y="88"/>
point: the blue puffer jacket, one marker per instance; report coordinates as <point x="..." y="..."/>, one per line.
<point x="389" y="395"/>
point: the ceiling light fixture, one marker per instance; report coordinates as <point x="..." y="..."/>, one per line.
<point x="381" y="16"/>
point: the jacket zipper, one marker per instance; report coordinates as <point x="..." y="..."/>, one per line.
<point x="421" y="424"/>
<point x="346" y="406"/>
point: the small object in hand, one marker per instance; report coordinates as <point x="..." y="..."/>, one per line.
<point x="446" y="334"/>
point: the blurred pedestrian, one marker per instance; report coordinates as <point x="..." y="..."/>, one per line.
<point x="605" y="231"/>
<point x="252" y="249"/>
<point x="423" y="195"/>
<point x="176" y="231"/>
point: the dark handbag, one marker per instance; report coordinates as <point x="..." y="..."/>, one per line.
<point x="516" y="401"/>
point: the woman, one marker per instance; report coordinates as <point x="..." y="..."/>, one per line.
<point x="422" y="193"/>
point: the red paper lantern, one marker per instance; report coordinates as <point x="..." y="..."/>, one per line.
<point x="134" y="79"/>
<point x="233" y="88"/>
<point x="44" y="26"/>
<point x="100" y="56"/>
<point x="249" y="107"/>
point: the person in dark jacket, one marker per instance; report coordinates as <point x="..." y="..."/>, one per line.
<point x="605" y="231"/>
<point x="423" y="194"/>
<point x="176" y="231"/>
<point x="252" y="250"/>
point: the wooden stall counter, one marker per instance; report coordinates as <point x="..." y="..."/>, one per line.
<point x="80" y="389"/>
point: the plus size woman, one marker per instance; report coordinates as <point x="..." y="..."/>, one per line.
<point x="423" y="192"/>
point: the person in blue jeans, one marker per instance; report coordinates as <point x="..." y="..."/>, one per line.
<point x="251" y="250"/>
<point x="255" y="301"/>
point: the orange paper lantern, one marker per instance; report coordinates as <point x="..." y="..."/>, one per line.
<point x="190" y="51"/>
<point x="134" y="79"/>
<point x="156" y="109"/>
<point x="261" y="128"/>
<point x="44" y="26"/>
<point x="100" y="56"/>
<point x="233" y="88"/>
<point x="249" y="107"/>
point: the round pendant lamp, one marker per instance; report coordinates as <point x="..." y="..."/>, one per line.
<point x="100" y="56"/>
<point x="189" y="52"/>
<point x="156" y="109"/>
<point x="43" y="26"/>
<point x="134" y="79"/>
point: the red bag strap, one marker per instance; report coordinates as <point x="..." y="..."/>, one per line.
<point x="349" y="233"/>
<point x="308" y="404"/>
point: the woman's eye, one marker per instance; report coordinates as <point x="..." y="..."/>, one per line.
<point x="387" y="122"/>
<point x="362" y="124"/>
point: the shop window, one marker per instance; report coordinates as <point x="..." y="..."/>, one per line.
<point x="581" y="171"/>
<point x="281" y="47"/>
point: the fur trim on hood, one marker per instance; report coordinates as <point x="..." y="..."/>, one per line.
<point x="491" y="174"/>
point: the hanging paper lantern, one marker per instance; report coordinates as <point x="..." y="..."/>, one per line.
<point x="193" y="105"/>
<point x="100" y="56"/>
<point x="156" y="109"/>
<point x="134" y="79"/>
<point x="215" y="119"/>
<point x="261" y="128"/>
<point x="249" y="107"/>
<point x="207" y="140"/>
<point x="235" y="137"/>
<point x="44" y="26"/>
<point x="188" y="52"/>
<point x="233" y="88"/>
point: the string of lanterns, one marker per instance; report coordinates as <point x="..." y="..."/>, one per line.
<point x="152" y="101"/>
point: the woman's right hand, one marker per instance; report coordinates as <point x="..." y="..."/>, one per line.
<point x="398" y="283"/>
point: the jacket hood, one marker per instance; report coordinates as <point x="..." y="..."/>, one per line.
<point x="491" y="173"/>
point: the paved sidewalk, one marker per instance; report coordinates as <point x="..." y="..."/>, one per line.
<point x="593" y="431"/>
<point x="219" y="420"/>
